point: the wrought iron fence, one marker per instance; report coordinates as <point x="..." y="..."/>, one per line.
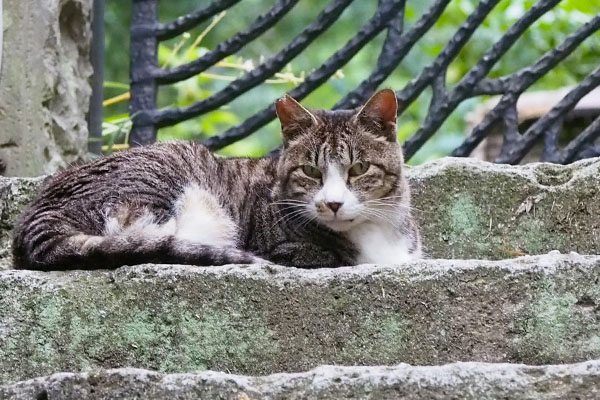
<point x="146" y="75"/>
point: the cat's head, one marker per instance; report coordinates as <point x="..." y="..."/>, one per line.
<point x="341" y="168"/>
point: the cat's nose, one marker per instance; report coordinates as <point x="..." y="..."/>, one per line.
<point x="334" y="206"/>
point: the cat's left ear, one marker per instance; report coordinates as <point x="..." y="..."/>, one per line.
<point x="378" y="115"/>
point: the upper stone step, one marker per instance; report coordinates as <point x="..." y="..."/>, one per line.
<point x="466" y="208"/>
<point x="259" y="320"/>
<point x="454" y="381"/>
<point x="473" y="209"/>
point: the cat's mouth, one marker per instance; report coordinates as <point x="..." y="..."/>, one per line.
<point x="338" y="224"/>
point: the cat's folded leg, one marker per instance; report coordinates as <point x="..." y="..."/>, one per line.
<point x="308" y="255"/>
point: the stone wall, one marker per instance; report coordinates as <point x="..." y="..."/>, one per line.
<point x="44" y="85"/>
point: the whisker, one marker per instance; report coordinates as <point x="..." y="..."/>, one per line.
<point x="307" y="220"/>
<point x="388" y="205"/>
<point x="288" y="215"/>
<point x="380" y="216"/>
<point x="289" y="207"/>
<point x="286" y="206"/>
<point x="377" y="202"/>
<point x="290" y="202"/>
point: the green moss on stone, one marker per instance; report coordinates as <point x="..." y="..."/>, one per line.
<point x="85" y="329"/>
<point x="465" y="223"/>
<point x="533" y="235"/>
<point x="554" y="324"/>
<point x="465" y="216"/>
<point x="217" y="335"/>
<point x="379" y="339"/>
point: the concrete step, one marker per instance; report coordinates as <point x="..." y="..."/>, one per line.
<point x="262" y="319"/>
<point x="466" y="208"/>
<point x="454" y="381"/>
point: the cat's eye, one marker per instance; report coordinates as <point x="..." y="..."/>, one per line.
<point x="311" y="171"/>
<point x="359" y="168"/>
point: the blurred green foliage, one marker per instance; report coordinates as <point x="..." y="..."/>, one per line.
<point x="545" y="34"/>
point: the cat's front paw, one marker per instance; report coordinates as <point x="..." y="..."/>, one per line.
<point x="261" y="261"/>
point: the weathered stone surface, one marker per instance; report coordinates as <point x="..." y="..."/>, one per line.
<point x="471" y="209"/>
<point x="454" y="381"/>
<point x="258" y="320"/>
<point x="44" y="88"/>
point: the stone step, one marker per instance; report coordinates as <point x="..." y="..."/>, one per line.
<point x="265" y="319"/>
<point x="466" y="208"/>
<point x="453" y="381"/>
<point x="473" y="209"/>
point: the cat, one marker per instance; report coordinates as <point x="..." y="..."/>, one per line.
<point x="335" y="196"/>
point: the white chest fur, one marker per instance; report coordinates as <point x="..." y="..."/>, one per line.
<point x="380" y="243"/>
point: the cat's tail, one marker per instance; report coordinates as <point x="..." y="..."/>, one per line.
<point x="56" y="251"/>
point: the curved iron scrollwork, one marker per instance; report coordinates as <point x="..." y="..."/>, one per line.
<point x="146" y="33"/>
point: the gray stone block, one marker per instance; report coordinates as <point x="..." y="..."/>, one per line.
<point x="259" y="320"/>
<point x="44" y="85"/>
<point x="454" y="381"/>
<point x="473" y="209"/>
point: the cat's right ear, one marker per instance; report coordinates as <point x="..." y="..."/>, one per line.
<point x="294" y="118"/>
<point x="378" y="115"/>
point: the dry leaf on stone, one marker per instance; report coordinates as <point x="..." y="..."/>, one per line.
<point x="529" y="202"/>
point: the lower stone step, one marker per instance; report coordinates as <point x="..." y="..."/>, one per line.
<point x="453" y="381"/>
<point x="261" y="320"/>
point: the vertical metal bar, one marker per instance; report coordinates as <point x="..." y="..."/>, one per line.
<point x="551" y="152"/>
<point x="144" y="60"/>
<point x="97" y="59"/>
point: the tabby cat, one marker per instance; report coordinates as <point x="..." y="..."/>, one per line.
<point x="335" y="196"/>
